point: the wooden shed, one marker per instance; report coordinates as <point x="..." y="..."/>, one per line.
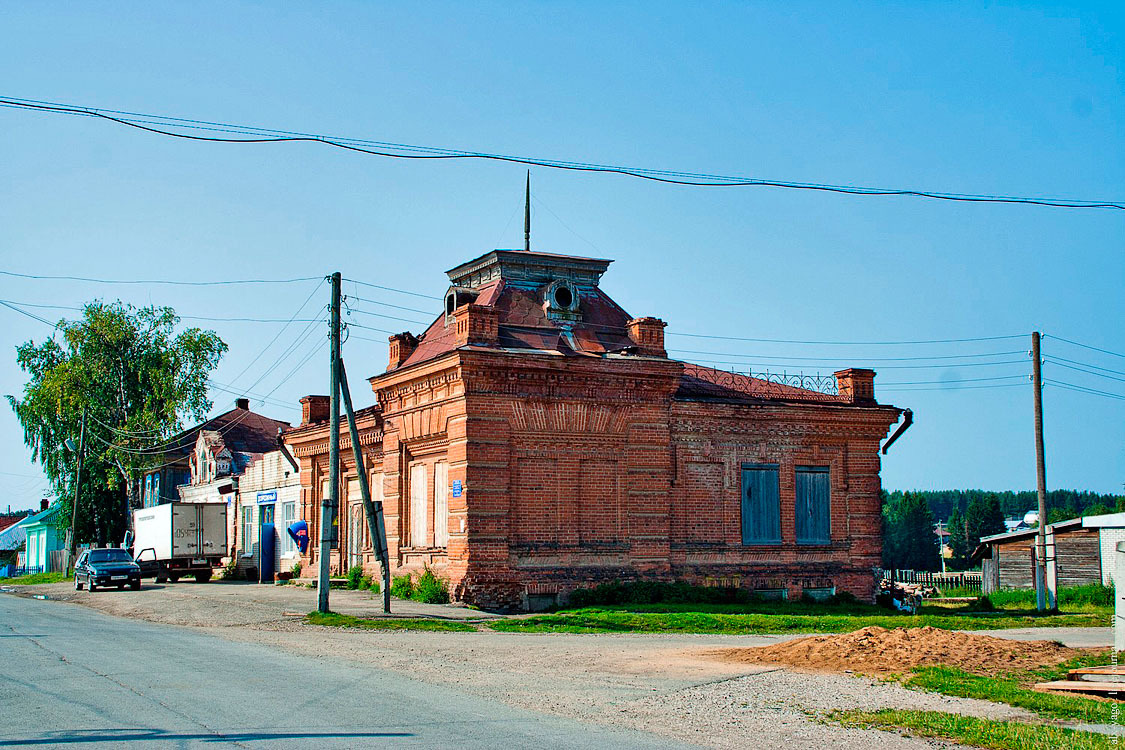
<point x="1083" y="549"/>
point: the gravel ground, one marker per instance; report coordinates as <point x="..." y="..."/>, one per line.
<point x="233" y="603"/>
<point x="665" y="683"/>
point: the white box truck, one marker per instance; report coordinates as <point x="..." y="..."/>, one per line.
<point x="175" y="540"/>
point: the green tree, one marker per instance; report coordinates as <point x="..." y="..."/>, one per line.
<point x="983" y="518"/>
<point x="909" y="541"/>
<point x="958" y="542"/>
<point x="136" y="380"/>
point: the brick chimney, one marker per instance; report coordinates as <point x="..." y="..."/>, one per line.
<point x="475" y="324"/>
<point x="857" y="385"/>
<point x="648" y="335"/>
<point x="314" y="409"/>
<point x="44" y="504"/>
<point x="242" y="403"/>
<point x="402" y="345"/>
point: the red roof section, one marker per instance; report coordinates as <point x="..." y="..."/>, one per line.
<point x="242" y="430"/>
<point x="523" y="324"/>
<point x="698" y="383"/>
<point x="6" y="521"/>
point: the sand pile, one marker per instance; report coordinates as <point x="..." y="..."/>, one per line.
<point x="874" y="649"/>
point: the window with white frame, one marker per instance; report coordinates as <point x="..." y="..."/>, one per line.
<point x="441" y="504"/>
<point x="419" y="529"/>
<point x="247" y="530"/>
<point x="288" y="517"/>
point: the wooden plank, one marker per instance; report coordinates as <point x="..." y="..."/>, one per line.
<point x="1079" y="686"/>
<point x="1098" y="674"/>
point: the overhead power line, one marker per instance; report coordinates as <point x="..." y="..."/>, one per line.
<point x="1084" y="389"/>
<point x="170" y="282"/>
<point x="1086" y="346"/>
<point x="171" y="126"/>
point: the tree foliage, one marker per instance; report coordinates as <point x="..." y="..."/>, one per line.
<point x="1013" y="504"/>
<point x="909" y="541"/>
<point x="983" y="518"/>
<point x="136" y="379"/>
<point x="958" y="541"/>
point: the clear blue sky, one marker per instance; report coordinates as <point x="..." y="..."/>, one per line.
<point x="989" y="98"/>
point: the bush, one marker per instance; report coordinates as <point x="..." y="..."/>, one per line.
<point x="230" y="570"/>
<point x="355" y="575"/>
<point x="431" y="589"/>
<point x="368" y="583"/>
<point x="296" y="569"/>
<point x="657" y="592"/>
<point x="402" y="587"/>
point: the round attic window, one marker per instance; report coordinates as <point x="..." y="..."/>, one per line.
<point x="563" y="297"/>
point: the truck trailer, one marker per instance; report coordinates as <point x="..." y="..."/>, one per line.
<point x="175" y="540"/>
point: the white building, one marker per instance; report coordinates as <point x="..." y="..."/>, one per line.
<point x="268" y="500"/>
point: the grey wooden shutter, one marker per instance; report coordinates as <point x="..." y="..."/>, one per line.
<point x="813" y="507"/>
<point x="761" y="505"/>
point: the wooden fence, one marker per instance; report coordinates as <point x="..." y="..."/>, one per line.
<point x="59" y="561"/>
<point x="970" y="579"/>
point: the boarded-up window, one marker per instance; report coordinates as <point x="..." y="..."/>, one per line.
<point x="441" y="504"/>
<point x="418" y="506"/>
<point x="813" y="508"/>
<point x="761" y="504"/>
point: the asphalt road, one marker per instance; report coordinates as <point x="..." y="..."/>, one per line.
<point x="73" y="677"/>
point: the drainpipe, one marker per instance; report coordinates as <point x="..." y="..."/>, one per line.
<point x="908" y="419"/>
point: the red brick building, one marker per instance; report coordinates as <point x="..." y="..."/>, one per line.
<point x="537" y="438"/>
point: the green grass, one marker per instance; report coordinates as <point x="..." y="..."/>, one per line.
<point x="959" y="591"/>
<point x="1088" y="598"/>
<point x="986" y="733"/>
<point x="34" y="578"/>
<point x="953" y="681"/>
<point x="334" y="619"/>
<point x="800" y="620"/>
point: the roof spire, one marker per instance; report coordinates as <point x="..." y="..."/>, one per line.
<point x="527" y="215"/>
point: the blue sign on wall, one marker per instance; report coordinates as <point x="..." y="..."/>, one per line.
<point x="267" y="497"/>
<point x="456" y="488"/>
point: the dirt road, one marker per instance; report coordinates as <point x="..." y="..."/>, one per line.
<point x="666" y="684"/>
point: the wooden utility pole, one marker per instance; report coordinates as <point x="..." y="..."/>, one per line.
<point x="330" y="503"/>
<point x="1044" y="590"/>
<point x="376" y="527"/>
<point x="73" y="545"/>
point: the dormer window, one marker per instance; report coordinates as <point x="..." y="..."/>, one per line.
<point x="455" y="297"/>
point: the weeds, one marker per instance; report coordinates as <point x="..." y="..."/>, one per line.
<point x="333" y="619"/>
<point x="986" y="733"/>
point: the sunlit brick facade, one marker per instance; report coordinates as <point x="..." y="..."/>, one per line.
<point x="536" y="438"/>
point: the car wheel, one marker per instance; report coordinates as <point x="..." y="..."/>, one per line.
<point x="135" y="585"/>
<point x="77" y="583"/>
<point x="173" y="579"/>
<point x="90" y="583"/>
<point x="120" y="587"/>
<point x="161" y="579"/>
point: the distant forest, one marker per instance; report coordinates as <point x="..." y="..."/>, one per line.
<point x="909" y="541"/>
<point x="1061" y="504"/>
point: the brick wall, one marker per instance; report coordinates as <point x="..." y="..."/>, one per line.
<point x="576" y="471"/>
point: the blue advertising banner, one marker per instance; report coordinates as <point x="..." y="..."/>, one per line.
<point x="267" y="497"/>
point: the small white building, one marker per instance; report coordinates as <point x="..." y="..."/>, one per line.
<point x="1111" y="530"/>
<point x="267" y="502"/>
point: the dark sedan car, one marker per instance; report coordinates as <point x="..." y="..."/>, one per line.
<point x="106" y="567"/>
